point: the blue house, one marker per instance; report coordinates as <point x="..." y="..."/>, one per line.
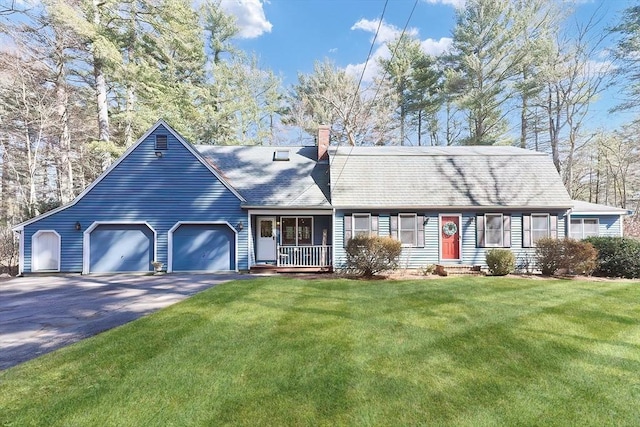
<point x="181" y="207"/>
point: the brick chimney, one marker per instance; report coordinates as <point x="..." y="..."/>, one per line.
<point x="323" y="142"/>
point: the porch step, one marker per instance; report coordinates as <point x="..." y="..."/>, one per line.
<point x="459" y="270"/>
<point x="268" y="268"/>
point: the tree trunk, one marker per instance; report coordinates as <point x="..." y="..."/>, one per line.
<point x="101" y="88"/>
<point x="65" y="168"/>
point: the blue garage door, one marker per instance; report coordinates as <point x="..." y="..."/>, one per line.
<point x="121" y="248"/>
<point x="204" y="247"/>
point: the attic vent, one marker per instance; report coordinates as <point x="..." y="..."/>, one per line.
<point x="281" y="156"/>
<point x="161" y="142"/>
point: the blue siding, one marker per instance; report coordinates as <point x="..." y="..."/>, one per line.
<point x="121" y="248"/>
<point x="142" y="187"/>
<point x="418" y="257"/>
<point x="201" y="247"/>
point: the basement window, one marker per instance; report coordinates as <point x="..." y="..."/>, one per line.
<point x="281" y="156"/>
<point x="161" y="142"/>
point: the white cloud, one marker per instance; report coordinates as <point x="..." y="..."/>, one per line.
<point x="386" y="34"/>
<point x="249" y="15"/>
<point x="436" y="47"/>
<point x="458" y="4"/>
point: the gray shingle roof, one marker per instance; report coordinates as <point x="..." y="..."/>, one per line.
<point x="396" y="177"/>
<point x="586" y="208"/>
<point x="251" y="170"/>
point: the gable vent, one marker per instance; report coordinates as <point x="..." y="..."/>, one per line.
<point x="281" y="156"/>
<point x="161" y="142"/>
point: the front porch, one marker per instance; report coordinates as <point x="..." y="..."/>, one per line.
<point x="293" y="242"/>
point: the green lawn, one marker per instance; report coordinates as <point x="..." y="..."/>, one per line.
<point x="274" y="351"/>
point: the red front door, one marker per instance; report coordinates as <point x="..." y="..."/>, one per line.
<point x="450" y="237"/>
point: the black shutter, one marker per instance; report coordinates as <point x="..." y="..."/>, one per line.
<point x="480" y="231"/>
<point x="393" y="227"/>
<point x="506" y="230"/>
<point x="526" y="231"/>
<point x="420" y="225"/>
<point x="553" y="226"/>
<point x="347" y="229"/>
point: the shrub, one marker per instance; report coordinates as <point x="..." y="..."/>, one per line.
<point x="367" y="256"/>
<point x="579" y="257"/>
<point x="574" y="256"/>
<point x="500" y="262"/>
<point x="617" y="256"/>
<point x="549" y="255"/>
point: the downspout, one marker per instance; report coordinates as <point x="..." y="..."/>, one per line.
<point x="20" y="252"/>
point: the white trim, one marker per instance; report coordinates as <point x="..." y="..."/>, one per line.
<point x="33" y="245"/>
<point x="540" y="215"/>
<point x="86" y="240"/>
<point x="415" y="229"/>
<point x="179" y="223"/>
<point x="285" y="212"/>
<point x="274" y="230"/>
<point x="353" y="222"/>
<point x="459" y="216"/>
<point x="487" y="245"/>
<point x="582" y="220"/>
<point x="21" y="253"/>
<point x="125" y="155"/>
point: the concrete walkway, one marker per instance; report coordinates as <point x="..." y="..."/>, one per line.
<point x="41" y="314"/>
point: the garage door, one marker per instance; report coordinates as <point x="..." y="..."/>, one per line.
<point x="204" y="247"/>
<point x="121" y="248"/>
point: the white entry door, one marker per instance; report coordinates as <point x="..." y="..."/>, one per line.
<point x="266" y="241"/>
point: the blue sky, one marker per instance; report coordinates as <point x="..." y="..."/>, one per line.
<point x="289" y="35"/>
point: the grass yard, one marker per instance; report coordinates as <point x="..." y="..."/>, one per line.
<point x="284" y="351"/>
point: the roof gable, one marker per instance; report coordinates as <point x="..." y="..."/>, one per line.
<point x="160" y="124"/>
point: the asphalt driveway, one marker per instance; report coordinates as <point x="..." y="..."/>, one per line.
<point x="41" y="314"/>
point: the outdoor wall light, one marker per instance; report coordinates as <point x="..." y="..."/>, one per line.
<point x="426" y="221"/>
<point x="240" y="226"/>
<point x="78" y="226"/>
<point x="158" y="154"/>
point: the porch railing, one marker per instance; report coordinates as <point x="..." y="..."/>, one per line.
<point x="304" y="256"/>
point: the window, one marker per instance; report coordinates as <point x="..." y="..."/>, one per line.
<point x="539" y="227"/>
<point x="361" y="225"/>
<point x="407" y="231"/>
<point x="281" y="156"/>
<point x="266" y="228"/>
<point x="581" y="228"/>
<point x="161" y="142"/>
<point x="493" y="230"/>
<point x="296" y="231"/>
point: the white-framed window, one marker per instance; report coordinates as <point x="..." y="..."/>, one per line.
<point x="581" y="228"/>
<point x="539" y="227"/>
<point x="361" y="225"/>
<point x="408" y="229"/>
<point x="493" y="230"/>
<point x="296" y="231"/>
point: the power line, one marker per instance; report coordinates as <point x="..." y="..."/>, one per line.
<point x="393" y="54"/>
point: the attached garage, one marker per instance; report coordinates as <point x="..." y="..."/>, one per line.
<point x="202" y="247"/>
<point x="119" y="248"/>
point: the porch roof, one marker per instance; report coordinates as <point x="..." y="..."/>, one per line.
<point x="299" y="182"/>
